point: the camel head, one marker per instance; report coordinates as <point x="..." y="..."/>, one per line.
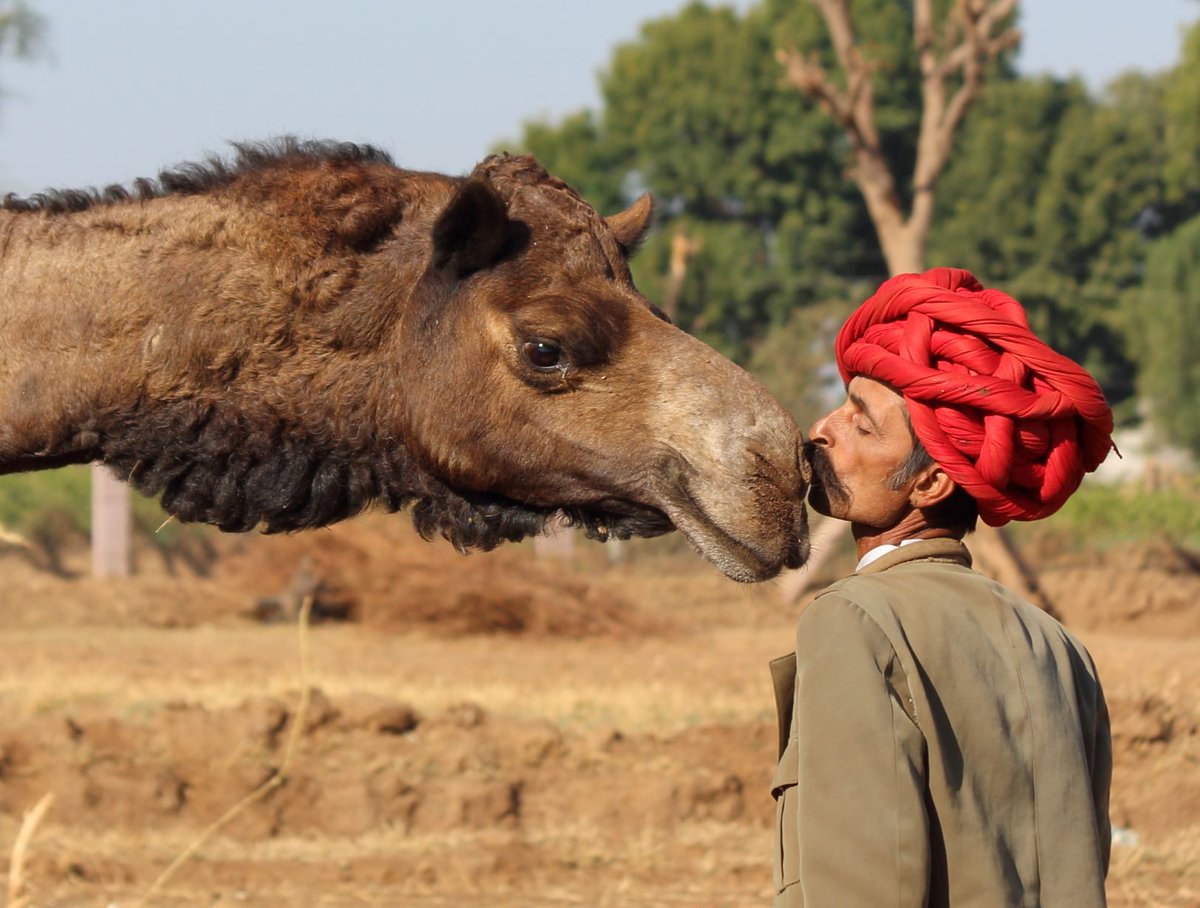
<point x="284" y="340"/>
<point x="535" y="372"/>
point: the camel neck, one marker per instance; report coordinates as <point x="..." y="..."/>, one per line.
<point x="80" y="318"/>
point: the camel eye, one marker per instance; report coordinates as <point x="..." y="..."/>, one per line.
<point x="543" y="355"/>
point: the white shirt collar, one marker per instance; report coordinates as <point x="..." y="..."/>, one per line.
<point x="878" y="552"/>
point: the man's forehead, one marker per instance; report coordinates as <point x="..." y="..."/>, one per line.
<point x="878" y="396"/>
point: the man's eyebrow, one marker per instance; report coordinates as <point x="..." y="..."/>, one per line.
<point x="866" y="411"/>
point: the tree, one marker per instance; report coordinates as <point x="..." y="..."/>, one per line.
<point x="573" y="150"/>
<point x="988" y="194"/>
<point x="1167" y="335"/>
<point x="1052" y="194"/>
<point x="952" y="61"/>
<point x="952" y="52"/>
<point x="1034" y="184"/>
<point x="695" y="112"/>
<point x="1163" y="313"/>
<point x="1181" y="102"/>
<point x="22" y="30"/>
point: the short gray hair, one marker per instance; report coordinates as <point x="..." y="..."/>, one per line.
<point x="959" y="512"/>
<point x="916" y="461"/>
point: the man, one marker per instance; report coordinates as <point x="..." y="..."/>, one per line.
<point x="948" y="743"/>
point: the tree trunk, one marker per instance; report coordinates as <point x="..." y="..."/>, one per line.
<point x="902" y="236"/>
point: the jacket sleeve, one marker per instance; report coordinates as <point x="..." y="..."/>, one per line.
<point x="857" y="824"/>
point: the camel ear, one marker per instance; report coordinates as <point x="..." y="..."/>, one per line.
<point x="630" y="226"/>
<point x="470" y="234"/>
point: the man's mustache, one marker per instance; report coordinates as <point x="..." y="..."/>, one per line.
<point x="825" y="483"/>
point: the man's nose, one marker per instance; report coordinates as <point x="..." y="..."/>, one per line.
<point x="818" y="433"/>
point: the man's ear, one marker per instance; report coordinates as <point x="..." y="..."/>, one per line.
<point x="472" y="231"/>
<point x="931" y="486"/>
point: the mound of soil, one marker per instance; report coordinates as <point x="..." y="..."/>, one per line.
<point x="378" y="571"/>
<point x="371" y="762"/>
<point x="1150" y="587"/>
<point x="375" y="570"/>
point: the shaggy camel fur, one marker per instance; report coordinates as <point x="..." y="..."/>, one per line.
<point x="283" y="339"/>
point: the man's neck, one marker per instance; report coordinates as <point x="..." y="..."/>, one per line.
<point x="912" y="526"/>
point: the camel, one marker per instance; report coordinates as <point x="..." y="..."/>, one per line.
<point x="280" y="339"/>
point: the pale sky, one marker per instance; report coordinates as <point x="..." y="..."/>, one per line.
<point x="132" y="86"/>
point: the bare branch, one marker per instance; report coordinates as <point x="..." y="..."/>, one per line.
<point x="841" y="33"/>
<point x="978" y="41"/>
<point x="994" y="13"/>
<point x="961" y="49"/>
<point x="976" y="19"/>
<point x="923" y="36"/>
<point x="808" y="77"/>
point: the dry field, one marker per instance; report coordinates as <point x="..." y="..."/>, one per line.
<point x="488" y="730"/>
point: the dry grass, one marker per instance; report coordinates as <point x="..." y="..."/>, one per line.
<point x="705" y="670"/>
<point x="647" y="685"/>
<point x="279" y="778"/>
<point x="17" y="895"/>
<point x="8" y="537"/>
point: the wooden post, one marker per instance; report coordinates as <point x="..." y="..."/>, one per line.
<point x="110" y="524"/>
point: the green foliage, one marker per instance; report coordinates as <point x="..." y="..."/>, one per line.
<point x="794" y="360"/>
<point x="1181" y="103"/>
<point x="26" y="499"/>
<point x="51" y="509"/>
<point x="1165" y="324"/>
<point x="1098" y="516"/>
<point x="22" y="30"/>
<point x="987" y="197"/>
<point x="696" y="112"/>
<point x="574" y="151"/>
<point x="1104" y="172"/>
<point x="1051" y="193"/>
<point x="1051" y="197"/>
<point x="730" y="263"/>
<point x="738" y="162"/>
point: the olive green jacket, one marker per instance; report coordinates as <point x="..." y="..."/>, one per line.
<point x="947" y="745"/>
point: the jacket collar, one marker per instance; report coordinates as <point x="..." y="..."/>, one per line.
<point x="951" y="550"/>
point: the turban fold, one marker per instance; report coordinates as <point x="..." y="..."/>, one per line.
<point x="1011" y="421"/>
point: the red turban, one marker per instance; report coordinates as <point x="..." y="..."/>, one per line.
<point x="1011" y="421"/>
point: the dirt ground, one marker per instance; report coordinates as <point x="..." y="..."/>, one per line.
<point x="496" y="729"/>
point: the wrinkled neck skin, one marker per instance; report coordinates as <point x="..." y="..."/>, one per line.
<point x="912" y="525"/>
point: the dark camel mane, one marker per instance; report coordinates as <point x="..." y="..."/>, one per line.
<point x="239" y="478"/>
<point x="204" y="176"/>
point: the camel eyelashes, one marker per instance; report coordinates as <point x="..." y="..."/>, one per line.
<point x="544" y="355"/>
